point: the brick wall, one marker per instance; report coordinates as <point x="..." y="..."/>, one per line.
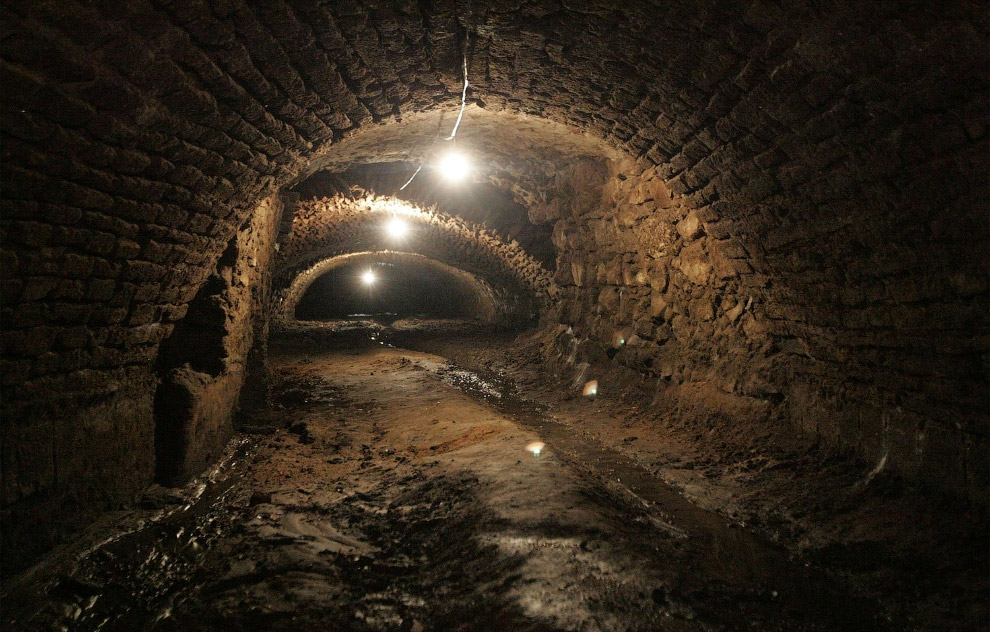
<point x="884" y="356"/>
<point x="328" y="227"/>
<point x="835" y="158"/>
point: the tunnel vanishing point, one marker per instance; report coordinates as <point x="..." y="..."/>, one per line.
<point x="775" y="210"/>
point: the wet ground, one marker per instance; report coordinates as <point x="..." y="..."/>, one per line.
<point x="394" y="489"/>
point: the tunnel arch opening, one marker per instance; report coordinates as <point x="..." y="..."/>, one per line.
<point x="481" y="202"/>
<point x="404" y="285"/>
<point x="771" y="156"/>
<point x="328" y="227"/>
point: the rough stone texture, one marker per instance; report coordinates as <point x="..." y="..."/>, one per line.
<point x="834" y="156"/>
<point x="205" y="363"/>
<point x="322" y="229"/>
<point x="725" y="325"/>
<point x="194" y="420"/>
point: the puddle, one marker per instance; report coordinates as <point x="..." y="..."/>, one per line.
<point x="725" y="553"/>
<point x="472" y="383"/>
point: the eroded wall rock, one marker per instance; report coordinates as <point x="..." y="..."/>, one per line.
<point x="330" y="227"/>
<point x="835" y="157"/>
<point x="714" y="310"/>
<point x="211" y="354"/>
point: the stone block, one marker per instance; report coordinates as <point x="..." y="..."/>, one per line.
<point x="690" y="227"/>
<point x="694" y="263"/>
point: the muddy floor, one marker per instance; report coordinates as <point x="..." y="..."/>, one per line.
<point x="445" y="488"/>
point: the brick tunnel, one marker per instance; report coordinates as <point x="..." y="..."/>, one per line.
<point x="724" y="264"/>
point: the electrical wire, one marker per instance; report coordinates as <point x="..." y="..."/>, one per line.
<point x="460" y="114"/>
<point x="413" y="176"/>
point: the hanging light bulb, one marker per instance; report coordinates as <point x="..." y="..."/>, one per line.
<point x="369" y="277"/>
<point x="454" y="166"/>
<point x="396" y="228"/>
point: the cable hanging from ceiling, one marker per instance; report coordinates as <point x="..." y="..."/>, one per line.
<point x="460" y="114"/>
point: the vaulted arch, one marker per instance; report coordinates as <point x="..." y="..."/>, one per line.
<point x="484" y="302"/>
<point x="781" y="202"/>
<point x="327" y="227"/>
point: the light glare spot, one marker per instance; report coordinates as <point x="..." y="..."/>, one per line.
<point x="369" y="278"/>
<point x="454" y="166"/>
<point x="590" y="388"/>
<point x="396" y="228"/>
<point x="536" y="447"/>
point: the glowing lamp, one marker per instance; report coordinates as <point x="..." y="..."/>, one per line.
<point x="369" y="278"/>
<point x="454" y="166"/>
<point x="590" y="388"/>
<point x="396" y="228"/>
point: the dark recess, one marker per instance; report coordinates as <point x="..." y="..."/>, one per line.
<point x="399" y="290"/>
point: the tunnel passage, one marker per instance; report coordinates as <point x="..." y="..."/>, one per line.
<point x="329" y="225"/>
<point x="400" y="285"/>
<point x="777" y="205"/>
<point x="389" y="289"/>
<point x="509" y="283"/>
<point x="479" y="202"/>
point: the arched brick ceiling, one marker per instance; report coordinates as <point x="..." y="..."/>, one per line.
<point x="848" y="138"/>
<point x="472" y="199"/>
<point x="342" y="225"/>
<point x="490" y="304"/>
<point x="496" y="139"/>
<point x="137" y="135"/>
<point x="837" y="151"/>
<point x="166" y="121"/>
<point x="514" y="159"/>
<point x="244" y="92"/>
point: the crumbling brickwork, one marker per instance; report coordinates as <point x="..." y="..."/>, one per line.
<point x="204" y="364"/>
<point x="333" y="226"/>
<point x="476" y="200"/>
<point x="882" y="360"/>
<point x="833" y="158"/>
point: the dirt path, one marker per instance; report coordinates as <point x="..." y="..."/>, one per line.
<point x="406" y="494"/>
